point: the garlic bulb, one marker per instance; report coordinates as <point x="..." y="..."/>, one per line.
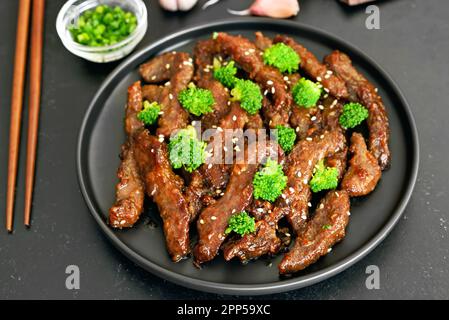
<point x="270" y="8"/>
<point x="177" y="5"/>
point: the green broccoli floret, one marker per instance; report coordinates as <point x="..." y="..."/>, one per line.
<point x="196" y="100"/>
<point x="150" y="112"/>
<point x="225" y="74"/>
<point x="282" y="57"/>
<point x="353" y="114"/>
<point x="241" y="223"/>
<point x="186" y="150"/>
<point x="286" y="137"/>
<point x="249" y="95"/>
<point x="306" y="93"/>
<point x="324" y="178"/>
<point x="269" y="182"/>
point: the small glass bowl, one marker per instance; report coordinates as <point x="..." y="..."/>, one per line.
<point x="69" y="14"/>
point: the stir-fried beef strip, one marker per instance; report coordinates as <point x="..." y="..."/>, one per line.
<point x="130" y="188"/>
<point x="204" y="53"/>
<point x="326" y="228"/>
<point x="300" y="164"/>
<point x="262" y="42"/>
<point x="152" y="92"/>
<point x="248" y="57"/>
<point x="213" y="177"/>
<point x="165" y="188"/>
<point x="254" y="245"/>
<point x="177" y="68"/>
<point x="213" y="221"/>
<point x="295" y="200"/>
<point x="364" y="171"/>
<point x="305" y="121"/>
<point x="129" y="192"/>
<point x="363" y="91"/>
<point x="315" y="69"/>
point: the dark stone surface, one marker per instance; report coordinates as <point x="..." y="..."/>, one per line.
<point x="412" y="45"/>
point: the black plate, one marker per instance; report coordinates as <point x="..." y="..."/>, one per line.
<point x="372" y="217"/>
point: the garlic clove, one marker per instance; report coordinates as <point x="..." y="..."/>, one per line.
<point x="170" y="5"/>
<point x="276" y="9"/>
<point x="186" y="5"/>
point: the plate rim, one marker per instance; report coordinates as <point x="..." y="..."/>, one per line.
<point x="271" y="287"/>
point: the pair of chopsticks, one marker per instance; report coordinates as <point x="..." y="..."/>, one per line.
<point x="37" y="30"/>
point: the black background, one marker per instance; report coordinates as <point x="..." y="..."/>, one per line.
<point x="412" y="45"/>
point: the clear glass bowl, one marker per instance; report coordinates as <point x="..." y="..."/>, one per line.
<point x="69" y="14"/>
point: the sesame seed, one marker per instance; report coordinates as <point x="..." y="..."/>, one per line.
<point x="322" y="206"/>
<point x="265" y="92"/>
<point x="237" y="148"/>
<point x="299" y="174"/>
<point x="234" y="118"/>
<point x="309" y="204"/>
<point x="310" y="162"/>
<point x="206" y="70"/>
<point x="233" y="210"/>
<point x="286" y="78"/>
<point x="309" y="139"/>
<point x="305" y="181"/>
<point x="153" y="192"/>
<point x="225" y="149"/>
<point x="326" y="89"/>
<point x="170" y="96"/>
<point x="327" y="76"/>
<point x="318" y="79"/>
<point x="303" y="216"/>
<point x="218" y="191"/>
<point x="321" y="107"/>
<point x="313" y="118"/>
<point x="213" y="218"/>
<point x="269" y="82"/>
<point x="297" y="129"/>
<point x="336" y="193"/>
<point x="201" y="221"/>
<point x="167" y="83"/>
<point x="246" y="53"/>
<point x="259" y="209"/>
<point x="329" y="72"/>
<point x="219" y="129"/>
<point x="376" y="89"/>
<point x="152" y="150"/>
<point x="283" y="196"/>
<point x="252" y="50"/>
<point x="349" y="213"/>
<point x="123" y="222"/>
<point x="329" y="250"/>
<point x="153" y="78"/>
<point x="167" y="66"/>
<point x="273" y="90"/>
<point x="209" y="166"/>
<point x="291" y="189"/>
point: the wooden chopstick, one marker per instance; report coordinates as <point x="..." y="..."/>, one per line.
<point x="37" y="30"/>
<point x="16" y="105"/>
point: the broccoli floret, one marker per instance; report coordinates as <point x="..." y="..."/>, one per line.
<point x="306" y="93"/>
<point x="249" y="95"/>
<point x="241" y="223"/>
<point x="225" y="74"/>
<point x="186" y="150"/>
<point x="286" y="137"/>
<point x="353" y="114"/>
<point x="324" y="178"/>
<point x="196" y="100"/>
<point x="282" y="57"/>
<point x="269" y="182"/>
<point x="150" y="112"/>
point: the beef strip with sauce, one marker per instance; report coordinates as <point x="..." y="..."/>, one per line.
<point x="361" y="90"/>
<point x="315" y="69"/>
<point x="130" y="188"/>
<point x="165" y="188"/>
<point x="177" y="68"/>
<point x="248" y="57"/>
<point x="326" y="228"/>
<point x="364" y="171"/>
<point x="213" y="221"/>
<point x="295" y="200"/>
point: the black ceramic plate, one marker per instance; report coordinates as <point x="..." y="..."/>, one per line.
<point x="372" y="217"/>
